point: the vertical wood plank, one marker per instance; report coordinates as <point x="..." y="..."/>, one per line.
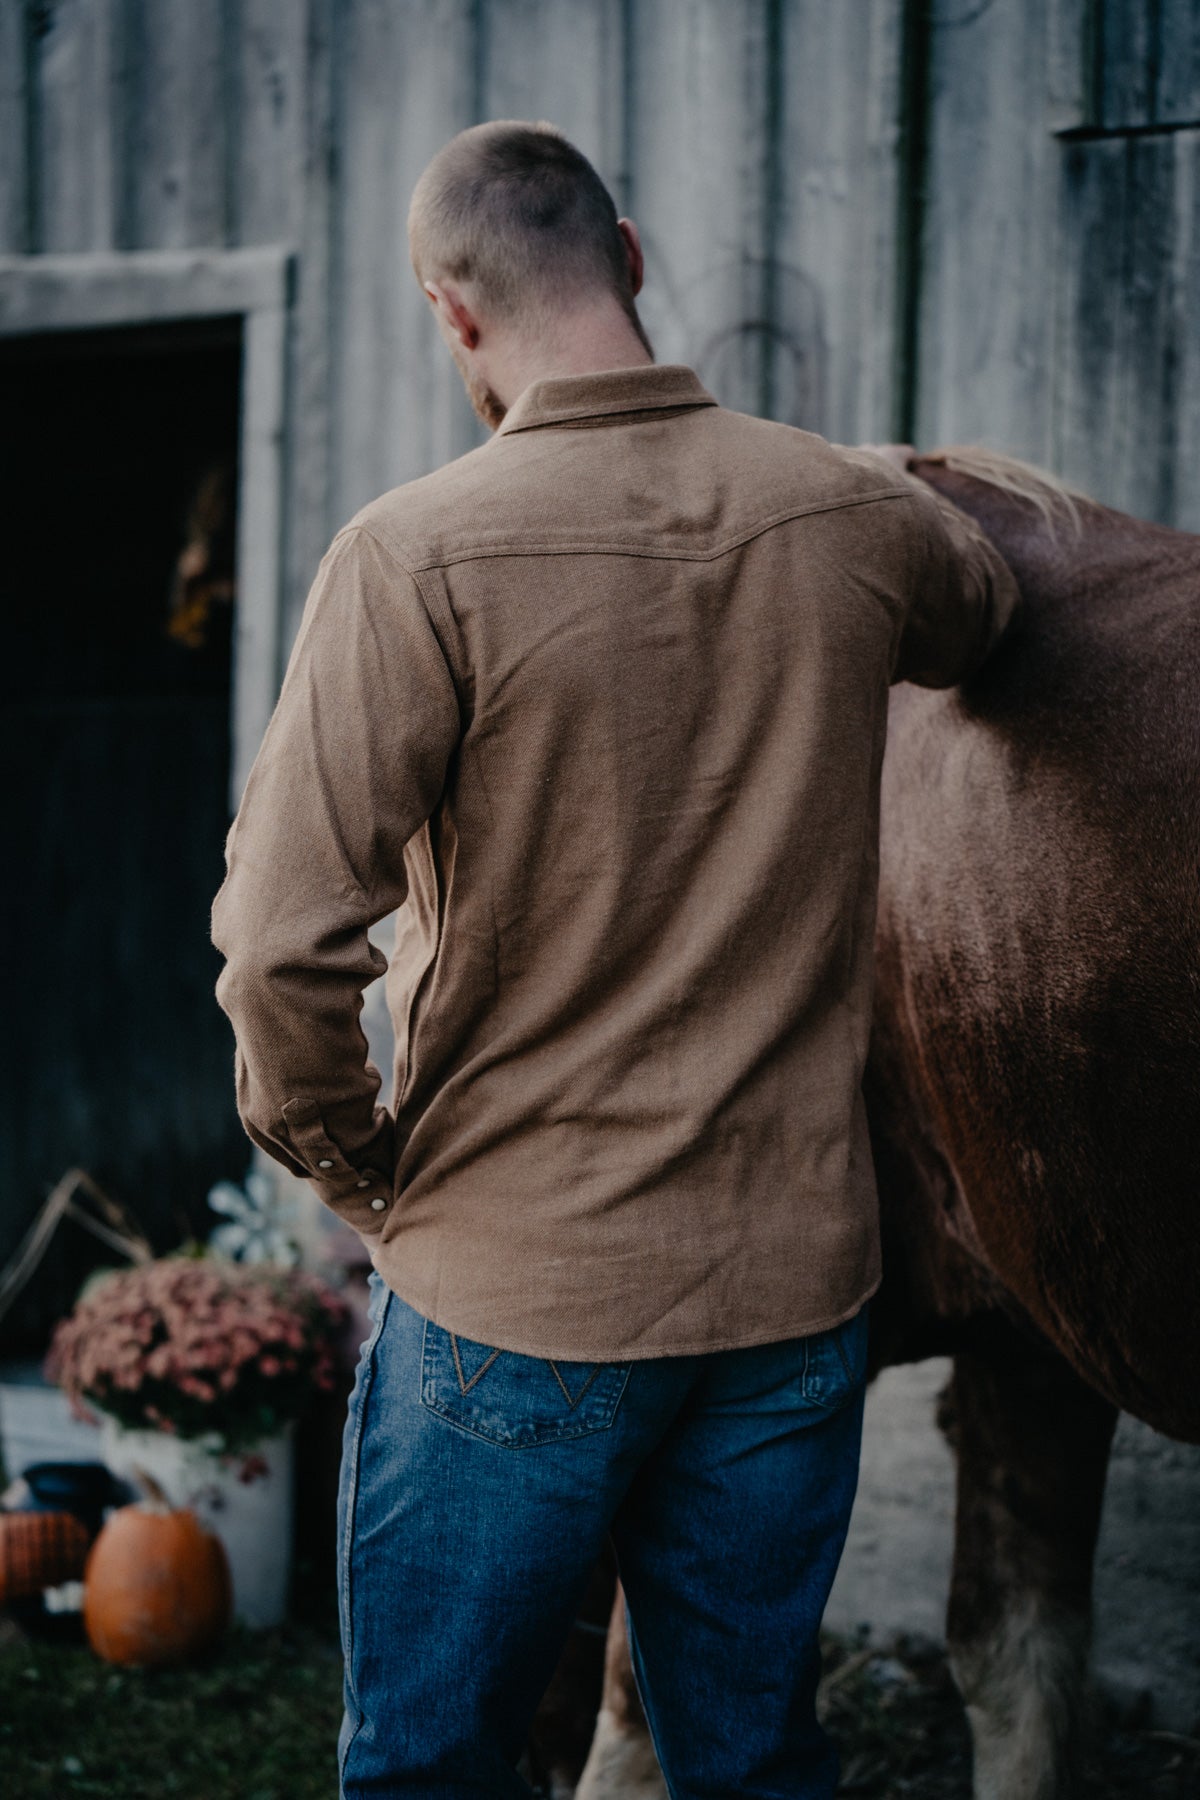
<point x="1154" y="324"/>
<point x="177" y="129"/>
<point x="1087" y="400"/>
<point x="404" y="83"/>
<point x="430" y="419"/>
<point x="833" y="334"/>
<point x="1186" y="511"/>
<point x="1179" y="60"/>
<point x="702" y="149"/>
<point x="265" y="58"/>
<point x="78" y="124"/>
<point x="260" y="493"/>
<point x="543" y="60"/>
<point x="15" y="174"/>
<point x="1129" y="55"/>
<point x="308" y="522"/>
<point x="985" y="313"/>
<point x="1128" y="370"/>
<point x="1150" y="62"/>
<point x="1070" y="64"/>
<point x="278" y="175"/>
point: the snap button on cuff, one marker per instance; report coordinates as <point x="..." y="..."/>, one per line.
<point x="325" y="1163"/>
<point x="363" y="1183"/>
<point x="378" y="1205"/>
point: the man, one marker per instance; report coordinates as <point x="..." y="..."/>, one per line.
<point x="600" y="706"/>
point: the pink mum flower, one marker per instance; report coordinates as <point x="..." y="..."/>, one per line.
<point x="185" y="1343"/>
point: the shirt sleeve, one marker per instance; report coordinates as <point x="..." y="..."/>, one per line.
<point x="352" y="763"/>
<point x="962" y="598"/>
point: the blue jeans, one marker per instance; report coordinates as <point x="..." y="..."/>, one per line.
<point x="477" y="1490"/>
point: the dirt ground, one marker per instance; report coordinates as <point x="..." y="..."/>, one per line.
<point x="901" y="1729"/>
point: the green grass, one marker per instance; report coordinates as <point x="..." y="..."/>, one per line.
<point x="258" y="1721"/>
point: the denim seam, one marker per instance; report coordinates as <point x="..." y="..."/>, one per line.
<point x="837" y="1344"/>
<point x="348" y="1531"/>
<point x="640" y="1688"/>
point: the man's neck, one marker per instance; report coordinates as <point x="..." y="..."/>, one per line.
<point x="581" y="354"/>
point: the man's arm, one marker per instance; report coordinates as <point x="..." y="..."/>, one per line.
<point x="352" y="764"/>
<point x="964" y="593"/>
<point x="963" y="599"/>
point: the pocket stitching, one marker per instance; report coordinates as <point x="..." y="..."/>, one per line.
<point x="567" y="1431"/>
<point x="573" y="1403"/>
<point x="465" y="1386"/>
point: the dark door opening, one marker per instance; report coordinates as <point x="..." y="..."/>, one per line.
<point x="115" y="708"/>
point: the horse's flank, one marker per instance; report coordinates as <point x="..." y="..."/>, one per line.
<point x="1037" y="1046"/>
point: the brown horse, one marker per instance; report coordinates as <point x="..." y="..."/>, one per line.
<point x="1034" y="1088"/>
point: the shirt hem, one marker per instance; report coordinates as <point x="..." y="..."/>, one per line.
<point x="562" y="1352"/>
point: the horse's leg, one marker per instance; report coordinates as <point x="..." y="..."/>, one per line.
<point x="621" y="1764"/>
<point x="1032" y="1442"/>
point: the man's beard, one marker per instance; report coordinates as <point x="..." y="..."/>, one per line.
<point x="486" y="401"/>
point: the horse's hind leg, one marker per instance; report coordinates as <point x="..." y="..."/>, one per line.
<point x="1032" y="1442"/>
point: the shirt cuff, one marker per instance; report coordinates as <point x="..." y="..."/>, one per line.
<point x="358" y="1192"/>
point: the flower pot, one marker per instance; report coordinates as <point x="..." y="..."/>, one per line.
<point x="252" y="1518"/>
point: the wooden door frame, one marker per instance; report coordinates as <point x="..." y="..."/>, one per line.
<point x="139" y="287"/>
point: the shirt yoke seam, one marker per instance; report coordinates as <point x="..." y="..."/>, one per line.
<point x="622" y="547"/>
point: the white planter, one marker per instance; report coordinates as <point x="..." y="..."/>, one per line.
<point x="253" y="1519"/>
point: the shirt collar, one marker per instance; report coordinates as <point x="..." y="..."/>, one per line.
<point x="602" y="393"/>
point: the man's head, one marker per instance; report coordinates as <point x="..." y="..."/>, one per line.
<point x="517" y="245"/>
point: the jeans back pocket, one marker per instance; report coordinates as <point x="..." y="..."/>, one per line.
<point x="516" y="1400"/>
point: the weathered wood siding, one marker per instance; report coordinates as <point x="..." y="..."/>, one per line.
<point x="1058" y="306"/>
<point x="998" y="79"/>
<point x="862" y="217"/>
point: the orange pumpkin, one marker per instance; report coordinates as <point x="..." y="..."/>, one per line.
<point x="156" y="1587"/>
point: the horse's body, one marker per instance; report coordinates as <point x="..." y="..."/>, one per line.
<point x="1034" y="1083"/>
<point x="1036" y="1064"/>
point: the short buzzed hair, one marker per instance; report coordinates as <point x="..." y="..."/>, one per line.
<point x="515" y="209"/>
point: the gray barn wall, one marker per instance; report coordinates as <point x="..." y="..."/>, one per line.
<point x="1057" y="299"/>
<point x="948" y="220"/>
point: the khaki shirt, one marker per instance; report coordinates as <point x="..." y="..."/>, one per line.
<point x="600" y="707"/>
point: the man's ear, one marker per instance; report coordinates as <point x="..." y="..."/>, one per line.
<point x="633" y="249"/>
<point x="457" y="317"/>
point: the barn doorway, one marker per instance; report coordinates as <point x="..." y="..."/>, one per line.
<point x="116" y="715"/>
